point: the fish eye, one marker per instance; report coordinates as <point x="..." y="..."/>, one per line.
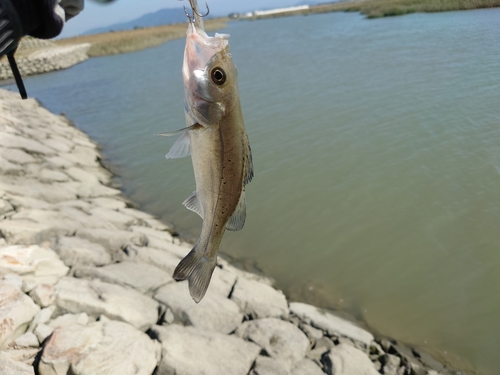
<point x="218" y="76"/>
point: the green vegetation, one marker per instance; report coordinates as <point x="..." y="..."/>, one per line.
<point x="387" y="8"/>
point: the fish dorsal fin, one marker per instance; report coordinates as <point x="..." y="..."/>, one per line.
<point x="181" y="147"/>
<point x="237" y="219"/>
<point x="193" y="203"/>
<point x="248" y="175"/>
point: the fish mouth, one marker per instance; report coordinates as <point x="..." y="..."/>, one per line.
<point x="200" y="49"/>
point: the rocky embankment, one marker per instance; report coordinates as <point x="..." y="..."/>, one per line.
<point x="40" y="56"/>
<point x="86" y="286"/>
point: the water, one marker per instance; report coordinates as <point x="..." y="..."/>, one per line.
<point x="377" y="155"/>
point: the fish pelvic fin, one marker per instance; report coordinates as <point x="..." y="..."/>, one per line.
<point x="197" y="269"/>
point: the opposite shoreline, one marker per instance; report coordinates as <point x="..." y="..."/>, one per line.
<point x="36" y="57"/>
<point x="85" y="279"/>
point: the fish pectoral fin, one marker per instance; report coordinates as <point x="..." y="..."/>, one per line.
<point x="180" y="131"/>
<point x="237" y="219"/>
<point x="193" y="203"/>
<point x="181" y="147"/>
<point x="197" y="269"/>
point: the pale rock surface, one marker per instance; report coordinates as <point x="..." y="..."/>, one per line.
<point x="164" y="236"/>
<point x="26" y="144"/>
<point x="259" y="300"/>
<point x="113" y="240"/>
<point x="224" y="264"/>
<point x="27" y="340"/>
<point x="76" y="250"/>
<point x="32" y="187"/>
<point x="347" y="360"/>
<point x="8" y="168"/>
<point x="215" y="353"/>
<point x="307" y="367"/>
<point x="28" y="202"/>
<point x="118" y="219"/>
<point x="314" y="334"/>
<point x="213" y="313"/>
<point x="43" y="294"/>
<point x="104" y="348"/>
<point x="159" y="258"/>
<point x="58" y="143"/>
<point x="391" y="364"/>
<point x="69" y="319"/>
<point x="111" y="203"/>
<point x="142" y="217"/>
<point x="12" y="278"/>
<point x="23" y="355"/>
<point x="5" y="207"/>
<point x="16" y="312"/>
<point x="270" y="366"/>
<point x="222" y="282"/>
<point x="145" y="278"/>
<point x="172" y="246"/>
<point x="11" y="367"/>
<point x="116" y="302"/>
<point x="17" y="156"/>
<point x="36" y="265"/>
<point x="41" y="317"/>
<point x="82" y="205"/>
<point x="25" y="232"/>
<point x="330" y="323"/>
<point x="48" y="217"/>
<point x="281" y="340"/>
<point x="43" y="331"/>
<point x="79" y="174"/>
<point x="49" y="175"/>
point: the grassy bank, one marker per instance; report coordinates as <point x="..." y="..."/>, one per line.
<point x="387" y="8"/>
<point x="113" y="43"/>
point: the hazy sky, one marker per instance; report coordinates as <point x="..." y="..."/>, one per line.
<point x="97" y="15"/>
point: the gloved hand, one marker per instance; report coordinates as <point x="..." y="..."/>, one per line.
<point x="71" y="7"/>
<point x="43" y="19"/>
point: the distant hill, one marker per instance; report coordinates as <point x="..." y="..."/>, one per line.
<point x="161" y="17"/>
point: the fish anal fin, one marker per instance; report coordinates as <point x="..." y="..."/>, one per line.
<point x="193" y="203"/>
<point x="198" y="270"/>
<point x="237" y="219"/>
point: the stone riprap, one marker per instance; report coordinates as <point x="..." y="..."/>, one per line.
<point x="46" y="60"/>
<point x="86" y="286"/>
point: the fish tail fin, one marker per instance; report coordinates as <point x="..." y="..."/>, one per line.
<point x="198" y="270"/>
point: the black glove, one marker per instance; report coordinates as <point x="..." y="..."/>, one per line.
<point x="11" y="31"/>
<point x="10" y="28"/>
<point x="43" y="19"/>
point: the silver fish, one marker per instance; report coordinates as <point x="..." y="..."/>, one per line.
<point x="221" y="155"/>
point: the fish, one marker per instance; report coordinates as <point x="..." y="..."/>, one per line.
<point x="217" y="140"/>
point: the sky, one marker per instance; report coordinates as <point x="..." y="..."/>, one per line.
<point x="98" y="15"/>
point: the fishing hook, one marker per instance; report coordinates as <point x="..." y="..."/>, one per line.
<point x="190" y="18"/>
<point x="196" y="12"/>
<point x="194" y="9"/>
